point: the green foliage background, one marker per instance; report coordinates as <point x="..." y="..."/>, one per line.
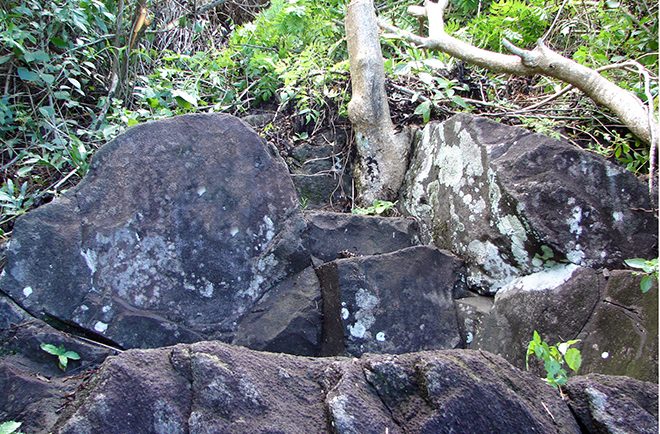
<point x="58" y="59"/>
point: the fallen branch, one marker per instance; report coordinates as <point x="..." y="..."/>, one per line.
<point x="632" y="112"/>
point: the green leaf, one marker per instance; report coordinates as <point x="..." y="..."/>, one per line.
<point x="563" y="347"/>
<point x="58" y="42"/>
<point x="634" y="263"/>
<point x="9" y="427"/>
<point x="72" y="355"/>
<point x="5" y="59"/>
<point x="47" y="111"/>
<point x="74" y="82"/>
<point x="48" y="78"/>
<point x="52" y="349"/>
<point x="573" y="359"/>
<point x="459" y="101"/>
<point x="27" y="75"/>
<point x="39" y="56"/>
<point x="184" y="99"/>
<point x="646" y="283"/>
<point x="24" y="171"/>
<point x="424" y="109"/>
<point x="63" y="360"/>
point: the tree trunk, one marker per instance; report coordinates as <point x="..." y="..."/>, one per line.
<point x="383" y="153"/>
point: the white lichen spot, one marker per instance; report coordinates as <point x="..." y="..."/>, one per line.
<point x="201" y="191"/>
<point x="344" y="313"/>
<point x="100" y="326"/>
<point x="106" y="309"/>
<point x="364" y="316"/>
<point x="380" y="336"/>
<point x="469" y="338"/>
<point x="575" y="220"/>
<point x="511" y="227"/>
<point x="450" y="160"/>
<point x="84" y="308"/>
<point x="617" y="216"/>
<point x="206" y="291"/>
<point x="492" y="270"/>
<point x="90" y="259"/>
<point x="357" y="330"/>
<point x="270" y="228"/>
<point x="576" y="256"/>
<point x="27" y="291"/>
<point x="605" y="355"/>
<point x="233" y="231"/>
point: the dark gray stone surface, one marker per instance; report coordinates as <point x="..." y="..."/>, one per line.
<point x="511" y="202"/>
<point x="210" y="387"/>
<point x="391" y="303"/>
<point x="555" y="303"/>
<point x="179" y="229"/>
<point x="329" y="235"/>
<point x="33" y="388"/>
<point x="319" y="170"/>
<point x="616" y="323"/>
<point x="621" y="336"/>
<point x="604" y="404"/>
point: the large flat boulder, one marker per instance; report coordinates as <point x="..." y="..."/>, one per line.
<point x="511" y="202"/>
<point x="210" y="387"/>
<point x="391" y="303"/>
<point x="179" y="230"/>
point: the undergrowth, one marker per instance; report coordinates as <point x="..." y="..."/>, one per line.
<point x="74" y="75"/>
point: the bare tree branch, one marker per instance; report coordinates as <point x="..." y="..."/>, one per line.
<point x="541" y="60"/>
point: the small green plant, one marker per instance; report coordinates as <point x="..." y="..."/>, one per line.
<point x="378" y="207"/>
<point x="649" y="269"/>
<point x="63" y="355"/>
<point x="553" y="358"/>
<point x="10" y="427"/>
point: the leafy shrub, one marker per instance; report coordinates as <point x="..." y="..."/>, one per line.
<point x="63" y="355"/>
<point x="52" y="57"/>
<point x="553" y="358"/>
<point x="649" y="269"/>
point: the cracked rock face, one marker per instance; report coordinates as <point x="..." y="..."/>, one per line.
<point x="608" y="404"/>
<point x="616" y="323"/>
<point x="512" y="202"/>
<point x="209" y="387"/>
<point x="392" y="303"/>
<point x="180" y="228"/>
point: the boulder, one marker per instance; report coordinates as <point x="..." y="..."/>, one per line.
<point x="621" y="336"/>
<point x="557" y="303"/>
<point x="180" y="229"/>
<point x="210" y="387"/>
<point x="512" y="202"/>
<point x="334" y="235"/>
<point x="33" y="388"/>
<point x="616" y="323"/>
<point x="391" y="303"/>
<point x="610" y="405"/>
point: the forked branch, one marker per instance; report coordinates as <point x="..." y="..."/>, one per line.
<point x="630" y="110"/>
